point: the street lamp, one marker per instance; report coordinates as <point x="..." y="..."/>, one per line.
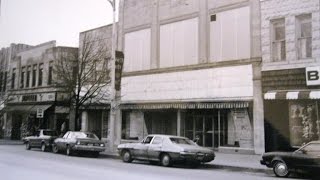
<point x="113" y="91"/>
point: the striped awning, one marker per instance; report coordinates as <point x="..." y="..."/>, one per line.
<point x="209" y="105"/>
<point x="292" y="95"/>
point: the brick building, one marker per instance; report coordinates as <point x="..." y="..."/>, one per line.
<point x="192" y="68"/>
<point x="290" y="40"/>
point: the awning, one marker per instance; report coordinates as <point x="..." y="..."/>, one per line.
<point x="192" y="105"/>
<point x="26" y="108"/>
<point x="61" y="109"/>
<point x="292" y="95"/>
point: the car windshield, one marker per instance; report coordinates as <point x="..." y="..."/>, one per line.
<point x="84" y="135"/>
<point x="181" y="141"/>
<point x="49" y="133"/>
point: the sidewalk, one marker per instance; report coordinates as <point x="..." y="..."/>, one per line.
<point x="10" y="142"/>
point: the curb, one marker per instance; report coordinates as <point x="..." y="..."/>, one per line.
<point x="217" y="166"/>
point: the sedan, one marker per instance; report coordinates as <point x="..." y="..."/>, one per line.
<point x="165" y="149"/>
<point x="306" y="158"/>
<point x="43" y="139"/>
<point x="76" y="141"/>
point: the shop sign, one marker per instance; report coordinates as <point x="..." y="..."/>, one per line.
<point x="39" y="113"/>
<point x="313" y="76"/>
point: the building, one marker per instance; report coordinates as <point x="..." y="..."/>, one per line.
<point x="192" y="68"/>
<point x="6" y="55"/>
<point x="33" y="100"/>
<point x="290" y="32"/>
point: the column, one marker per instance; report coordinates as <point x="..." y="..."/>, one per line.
<point x="179" y="122"/>
<point x="155" y="35"/>
<point x="203" y="32"/>
<point x="84" y="121"/>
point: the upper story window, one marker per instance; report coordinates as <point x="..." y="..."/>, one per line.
<point x="40" y="74"/>
<point x="278" y="34"/>
<point x="5" y="82"/>
<point x="23" y="71"/>
<point x="34" y="75"/>
<point x="304" y="36"/>
<point x="13" y="78"/>
<point x="28" y="76"/>
<point x="50" y="73"/>
<point x="1" y="80"/>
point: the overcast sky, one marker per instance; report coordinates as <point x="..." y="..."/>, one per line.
<point x="38" y="21"/>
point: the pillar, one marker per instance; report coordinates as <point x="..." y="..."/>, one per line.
<point x="84" y="121"/>
<point x="179" y="122"/>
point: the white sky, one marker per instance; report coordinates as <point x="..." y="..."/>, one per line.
<point x="37" y="21"/>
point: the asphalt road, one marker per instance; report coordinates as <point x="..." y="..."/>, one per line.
<point x="17" y="163"/>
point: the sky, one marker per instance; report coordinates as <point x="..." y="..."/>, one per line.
<point x="37" y="21"/>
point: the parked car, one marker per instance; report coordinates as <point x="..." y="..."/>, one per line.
<point x="76" y="141"/>
<point x="306" y="158"/>
<point x="43" y="139"/>
<point x="165" y="149"/>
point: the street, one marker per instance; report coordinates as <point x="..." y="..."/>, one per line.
<point x="17" y="163"/>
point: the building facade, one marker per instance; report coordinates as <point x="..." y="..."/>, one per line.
<point x="192" y="68"/>
<point x="290" y="32"/>
<point x="33" y="100"/>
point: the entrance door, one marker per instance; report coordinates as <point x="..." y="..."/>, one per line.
<point x="204" y="127"/>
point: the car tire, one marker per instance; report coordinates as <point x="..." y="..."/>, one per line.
<point x="43" y="147"/>
<point x="280" y="169"/>
<point x="126" y="156"/>
<point x="28" y="147"/>
<point x="68" y="151"/>
<point x="55" y="148"/>
<point x="165" y="160"/>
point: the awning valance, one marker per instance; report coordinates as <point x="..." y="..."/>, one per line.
<point x="292" y="95"/>
<point x="26" y="108"/>
<point x="209" y="105"/>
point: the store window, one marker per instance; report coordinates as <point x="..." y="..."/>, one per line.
<point x="304" y="123"/>
<point x="278" y="40"/>
<point x="304" y="36"/>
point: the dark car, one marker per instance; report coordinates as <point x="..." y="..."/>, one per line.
<point x="306" y="159"/>
<point x="43" y="139"/>
<point x="166" y="149"/>
<point x="76" y="141"/>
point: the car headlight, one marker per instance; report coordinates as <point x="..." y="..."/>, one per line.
<point x="78" y="143"/>
<point x="102" y="145"/>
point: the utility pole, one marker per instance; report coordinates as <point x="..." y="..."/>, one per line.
<point x="113" y="103"/>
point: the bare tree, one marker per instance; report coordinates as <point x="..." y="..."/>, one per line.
<point x="83" y="74"/>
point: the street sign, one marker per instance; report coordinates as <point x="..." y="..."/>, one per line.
<point x="313" y="75"/>
<point x="40" y="113"/>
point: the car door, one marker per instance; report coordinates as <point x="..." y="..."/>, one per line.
<point x="154" y="148"/>
<point x="34" y="139"/>
<point x="140" y="150"/>
<point x="61" y="142"/>
<point x="308" y="157"/>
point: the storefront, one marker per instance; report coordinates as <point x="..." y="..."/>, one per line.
<point x="291" y="107"/>
<point x="219" y="125"/>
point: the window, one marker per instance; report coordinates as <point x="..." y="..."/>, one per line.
<point x="278" y="40"/>
<point x="13" y="78"/>
<point x="157" y="140"/>
<point x="28" y="76"/>
<point x="181" y="141"/>
<point x="50" y="73"/>
<point x="5" y="82"/>
<point x="1" y="80"/>
<point x="148" y="140"/>
<point x="304" y="36"/>
<point x="34" y="75"/>
<point x="40" y="74"/>
<point x="22" y="77"/>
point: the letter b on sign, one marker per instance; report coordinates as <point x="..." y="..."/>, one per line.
<point x="313" y="76"/>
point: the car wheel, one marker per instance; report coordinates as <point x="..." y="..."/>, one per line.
<point x="68" y="151"/>
<point x="43" y="147"/>
<point x="126" y="156"/>
<point x="166" y="160"/>
<point x="280" y="169"/>
<point x="28" y="147"/>
<point x="55" y="148"/>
